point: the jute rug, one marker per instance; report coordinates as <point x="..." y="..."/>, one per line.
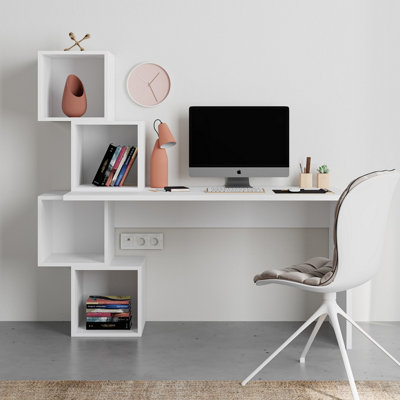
<point x="194" y="390"/>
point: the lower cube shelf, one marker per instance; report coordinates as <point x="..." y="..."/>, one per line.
<point x="126" y="280"/>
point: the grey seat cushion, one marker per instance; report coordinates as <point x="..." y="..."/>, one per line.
<point x="316" y="271"/>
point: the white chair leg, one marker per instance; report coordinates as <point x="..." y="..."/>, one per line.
<point x="321" y="310"/>
<point x="317" y="327"/>
<point x="341" y="312"/>
<point x="336" y="327"/>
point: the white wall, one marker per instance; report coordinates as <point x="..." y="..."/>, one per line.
<point x="334" y="63"/>
<point x="212" y="279"/>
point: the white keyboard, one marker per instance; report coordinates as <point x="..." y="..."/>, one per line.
<point x="223" y="189"/>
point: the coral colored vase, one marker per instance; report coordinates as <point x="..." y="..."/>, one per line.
<point x="158" y="167"/>
<point x="74" y="103"/>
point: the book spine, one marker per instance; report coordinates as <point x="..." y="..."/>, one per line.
<point x="108" y="325"/>
<point x="121" y="164"/>
<point x="109" y="303"/>
<point x="109" y="306"/>
<point x="115" y="166"/>
<point x="110" y="165"/>
<point x="106" y="319"/>
<point x="115" y="302"/>
<point x="108" y="298"/>
<point x="108" y="314"/>
<point x="129" y="167"/>
<point x="102" y="310"/>
<point x="125" y="166"/>
<point x="98" y="179"/>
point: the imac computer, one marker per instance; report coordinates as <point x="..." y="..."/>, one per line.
<point x="239" y="142"/>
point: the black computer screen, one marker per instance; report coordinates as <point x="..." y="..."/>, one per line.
<point x="239" y="136"/>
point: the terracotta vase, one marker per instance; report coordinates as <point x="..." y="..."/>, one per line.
<point x="74" y="103"/>
<point x="158" y="167"/>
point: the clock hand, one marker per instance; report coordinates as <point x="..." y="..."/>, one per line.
<point x="152" y="91"/>
<point x="154" y="78"/>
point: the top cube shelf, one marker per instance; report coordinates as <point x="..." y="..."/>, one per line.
<point x="94" y="68"/>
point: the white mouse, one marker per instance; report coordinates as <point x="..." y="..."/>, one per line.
<point x="294" y="189"/>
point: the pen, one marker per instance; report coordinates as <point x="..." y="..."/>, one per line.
<point x="301" y="169"/>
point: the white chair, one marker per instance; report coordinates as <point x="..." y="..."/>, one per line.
<point x="360" y="222"/>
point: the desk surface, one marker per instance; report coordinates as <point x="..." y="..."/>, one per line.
<point x="91" y="193"/>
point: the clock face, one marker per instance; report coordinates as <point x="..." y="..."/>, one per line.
<point x="148" y="84"/>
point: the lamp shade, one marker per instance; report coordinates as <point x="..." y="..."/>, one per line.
<point x="165" y="137"/>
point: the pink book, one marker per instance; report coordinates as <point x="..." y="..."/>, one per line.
<point x="115" y="166"/>
<point x="108" y="314"/>
<point x="129" y="167"/>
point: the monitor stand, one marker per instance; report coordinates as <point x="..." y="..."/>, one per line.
<point x="237" y="182"/>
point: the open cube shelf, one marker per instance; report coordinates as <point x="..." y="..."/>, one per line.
<point x="94" y="68"/>
<point x="69" y="233"/>
<point x="116" y="281"/>
<point x="89" y="142"/>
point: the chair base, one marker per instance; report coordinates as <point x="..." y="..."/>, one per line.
<point x="329" y="308"/>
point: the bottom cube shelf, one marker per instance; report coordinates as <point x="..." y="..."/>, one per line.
<point x="103" y="281"/>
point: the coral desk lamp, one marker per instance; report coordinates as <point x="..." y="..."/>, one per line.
<point x="159" y="159"/>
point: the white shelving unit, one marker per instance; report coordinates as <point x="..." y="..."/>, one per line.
<point x="94" y="68"/>
<point x="80" y="234"/>
<point x="89" y="142"/>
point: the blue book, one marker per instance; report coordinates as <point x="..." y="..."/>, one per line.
<point x="107" y="319"/>
<point x="125" y="166"/>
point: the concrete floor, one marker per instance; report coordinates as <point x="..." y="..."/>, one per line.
<point x="191" y="351"/>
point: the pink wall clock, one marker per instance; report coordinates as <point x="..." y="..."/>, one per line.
<point x="148" y="84"/>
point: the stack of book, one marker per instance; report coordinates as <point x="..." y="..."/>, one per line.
<point x="108" y="312"/>
<point x="115" y="166"/>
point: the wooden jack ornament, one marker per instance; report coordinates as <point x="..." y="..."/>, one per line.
<point x="77" y="42"/>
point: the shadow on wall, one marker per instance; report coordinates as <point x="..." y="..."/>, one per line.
<point x="19" y="92"/>
<point x="373" y="301"/>
<point x="44" y="145"/>
<point x="43" y="152"/>
<point x="384" y="285"/>
<point x="183" y="154"/>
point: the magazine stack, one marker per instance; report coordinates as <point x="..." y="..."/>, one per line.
<point x="108" y="312"/>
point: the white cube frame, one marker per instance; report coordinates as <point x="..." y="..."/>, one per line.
<point x="70" y="233"/>
<point x="89" y="142"/>
<point x="126" y="278"/>
<point x="94" y="68"/>
<point x="76" y="233"/>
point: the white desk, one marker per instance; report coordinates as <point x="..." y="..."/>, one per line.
<point x="93" y="193"/>
<point x="198" y="209"/>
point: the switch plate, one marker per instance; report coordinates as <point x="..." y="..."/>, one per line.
<point x="141" y="241"/>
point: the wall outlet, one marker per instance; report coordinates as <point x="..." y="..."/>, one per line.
<point x="142" y="241"/>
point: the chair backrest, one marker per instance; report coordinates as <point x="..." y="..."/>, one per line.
<point x="360" y="225"/>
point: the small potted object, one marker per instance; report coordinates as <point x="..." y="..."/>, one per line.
<point x="306" y="175"/>
<point x="323" y="177"/>
<point x="306" y="180"/>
